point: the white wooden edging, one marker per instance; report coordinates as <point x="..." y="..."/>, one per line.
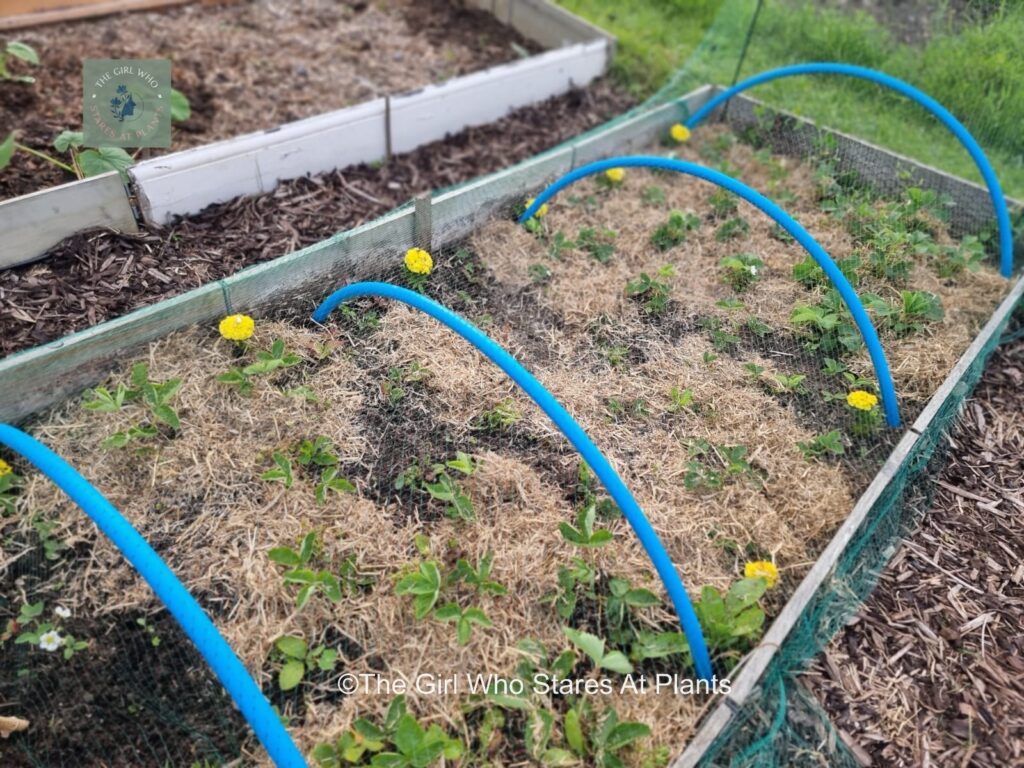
<point x="32" y="223"/>
<point x="186" y="182"/>
<point x="436" y="111"/>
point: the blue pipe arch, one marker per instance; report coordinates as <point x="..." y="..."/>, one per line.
<point x="944" y="115"/>
<point x="574" y="432"/>
<point x="787" y="222"/>
<point x="265" y="723"/>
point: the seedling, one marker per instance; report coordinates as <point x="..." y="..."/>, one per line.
<point x="571" y="580"/>
<point x="499" y="418"/>
<point x="365" y="739"/>
<point x="15" y="49"/>
<point x="330" y="481"/>
<point x="424" y="585"/>
<point x="731" y="229"/>
<point x="445" y="488"/>
<point x="267" y="362"/>
<point x="791" y="383"/>
<point x="583" y="534"/>
<point x="52" y="546"/>
<point x="299" y="660"/>
<point x="673" y="232"/>
<point x="653" y="293"/>
<point x="464" y="620"/>
<point x="594" y="648"/>
<point x="829" y="444"/>
<point x="310" y="580"/>
<point x="622" y="596"/>
<point x="154" y="395"/>
<point x="723" y="203"/>
<point x="597" y="244"/>
<point x="680" y="399"/>
<point x="394" y="386"/>
<point x="559" y="245"/>
<point x="10" y="482"/>
<point x="281" y="472"/>
<point x="149" y="629"/>
<point x="731" y="622"/>
<point x="539" y="273"/>
<point x="653" y="197"/>
<point x="741" y="271"/>
<point x="606" y="739"/>
<point x="479" y="577"/>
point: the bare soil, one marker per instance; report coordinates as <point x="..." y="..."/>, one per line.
<point x="251" y="65"/>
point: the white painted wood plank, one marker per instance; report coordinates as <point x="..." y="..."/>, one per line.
<point x="183" y="183"/>
<point x="436" y="111"/>
<point x="552" y="26"/>
<point x="33" y="223"/>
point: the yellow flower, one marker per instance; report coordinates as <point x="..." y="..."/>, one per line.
<point x="762" y="569"/>
<point x="680" y="132"/>
<point x="5" y="468"/>
<point x="615" y="175"/>
<point x="418" y="261"/>
<point x="541" y="212"/>
<point x="237" y="327"/>
<point x="861" y="400"/>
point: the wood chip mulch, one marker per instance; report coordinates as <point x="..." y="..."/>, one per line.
<point x="931" y="672"/>
<point x="93" y="277"/>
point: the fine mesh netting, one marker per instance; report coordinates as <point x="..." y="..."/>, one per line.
<point x="696" y="343"/>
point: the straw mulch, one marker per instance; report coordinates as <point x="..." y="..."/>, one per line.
<point x="199" y="497"/>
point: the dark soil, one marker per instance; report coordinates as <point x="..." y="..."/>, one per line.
<point x="247" y="66"/>
<point x="930" y="671"/>
<point x="121" y="702"/>
<point x="98" y="276"/>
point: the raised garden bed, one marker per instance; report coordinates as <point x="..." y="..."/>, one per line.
<point x="97" y="276"/>
<point x="699" y="382"/>
<point x="249" y="66"/>
<point x="154" y="191"/>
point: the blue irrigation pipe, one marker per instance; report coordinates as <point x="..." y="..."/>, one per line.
<point x="218" y="654"/>
<point x="787" y="222"/>
<point x="955" y="126"/>
<point x="582" y="442"/>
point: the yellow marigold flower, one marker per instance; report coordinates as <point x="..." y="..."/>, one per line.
<point x="615" y="175"/>
<point x="237" y="327"/>
<point x="861" y="400"/>
<point x="541" y="212"/>
<point x="418" y="261"/>
<point x="762" y="569"/>
<point x="5" y="468"/>
<point x="680" y="132"/>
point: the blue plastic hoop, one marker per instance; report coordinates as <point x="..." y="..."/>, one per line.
<point x="580" y="440"/>
<point x="945" y="116"/>
<point x="204" y="635"/>
<point x="787" y="222"/>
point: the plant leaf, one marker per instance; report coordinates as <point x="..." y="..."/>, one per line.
<point x="292" y="646"/>
<point x="23" y="51"/>
<point x="94" y="162"/>
<point x="291" y="674"/>
<point x="180" y="107"/>
<point x="6" y="150"/>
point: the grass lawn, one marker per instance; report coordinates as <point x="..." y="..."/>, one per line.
<point x="976" y="71"/>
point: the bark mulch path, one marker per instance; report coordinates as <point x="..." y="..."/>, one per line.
<point x="97" y="276"/>
<point x="249" y="65"/>
<point x="931" y="672"/>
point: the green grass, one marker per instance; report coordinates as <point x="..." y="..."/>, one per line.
<point x="976" y="71"/>
<point x="655" y="36"/>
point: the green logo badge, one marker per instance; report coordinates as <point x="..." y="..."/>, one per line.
<point x="127" y="102"/>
